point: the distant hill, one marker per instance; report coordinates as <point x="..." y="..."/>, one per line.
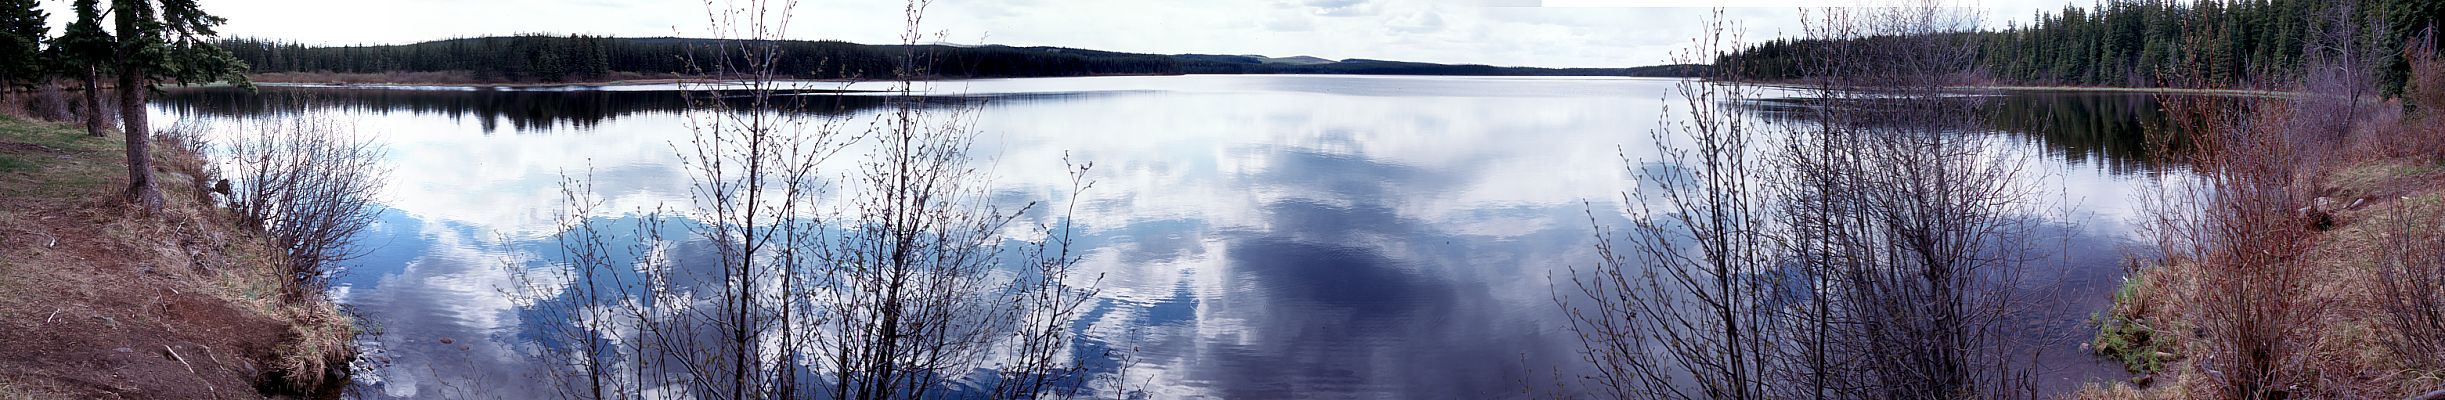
<point x="541" y="58"/>
<point x="1297" y="60"/>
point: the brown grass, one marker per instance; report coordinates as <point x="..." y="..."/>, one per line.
<point x="97" y="301"/>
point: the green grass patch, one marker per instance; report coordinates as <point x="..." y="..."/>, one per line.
<point x="2127" y="338"/>
<point x="12" y="164"/>
<point x="54" y="136"/>
<point x="49" y="160"/>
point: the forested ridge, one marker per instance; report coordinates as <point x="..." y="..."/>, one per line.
<point x="2225" y="43"/>
<point x="551" y="58"/>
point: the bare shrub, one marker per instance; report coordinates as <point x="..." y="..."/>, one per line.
<point x="43" y="101"/>
<point x="2239" y="220"/>
<point x="754" y="185"/>
<point x="905" y="288"/>
<point x="2411" y="276"/>
<point x="190" y="147"/>
<point x="2339" y="82"/>
<point x="309" y="182"/>
<point x="1907" y="222"/>
<point x="55" y="103"/>
<point x="16" y="104"/>
<point x="1868" y="250"/>
<point x="586" y="355"/>
<point x="1678" y="308"/>
<point x="2424" y="94"/>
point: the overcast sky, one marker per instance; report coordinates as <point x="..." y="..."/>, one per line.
<point x="1547" y="33"/>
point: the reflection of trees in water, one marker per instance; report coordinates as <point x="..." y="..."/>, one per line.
<point x="2106" y="129"/>
<point x="524" y="110"/>
<point x="2109" y="129"/>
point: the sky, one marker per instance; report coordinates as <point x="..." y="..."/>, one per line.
<point x="1542" y="33"/>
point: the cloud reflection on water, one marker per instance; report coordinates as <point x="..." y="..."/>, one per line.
<point x="1258" y="237"/>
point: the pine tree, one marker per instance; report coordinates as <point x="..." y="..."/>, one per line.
<point x="157" y="40"/>
<point x="21" y="36"/>
<point x="84" y="50"/>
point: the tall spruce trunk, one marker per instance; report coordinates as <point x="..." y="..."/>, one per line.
<point x="93" y="102"/>
<point x="140" y="189"/>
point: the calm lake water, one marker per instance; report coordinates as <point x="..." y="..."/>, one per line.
<point x="1259" y="236"/>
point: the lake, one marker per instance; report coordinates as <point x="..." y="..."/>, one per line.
<point x="1258" y="236"/>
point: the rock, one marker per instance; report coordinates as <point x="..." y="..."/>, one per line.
<point x="2315" y="217"/>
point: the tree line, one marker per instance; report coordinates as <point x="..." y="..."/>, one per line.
<point x="549" y="58"/>
<point x="2225" y="43"/>
<point x="563" y="58"/>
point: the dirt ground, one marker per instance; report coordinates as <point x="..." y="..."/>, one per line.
<point x="100" y="301"/>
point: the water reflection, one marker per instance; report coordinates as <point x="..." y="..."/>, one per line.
<point x="524" y="111"/>
<point x="1258" y="236"/>
<point x="2102" y="128"/>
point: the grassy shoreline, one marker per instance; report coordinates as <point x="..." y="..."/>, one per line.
<point x="98" y="300"/>
<point x="2151" y="325"/>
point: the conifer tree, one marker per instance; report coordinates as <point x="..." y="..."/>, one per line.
<point x="161" y="40"/>
<point x="21" y="36"/>
<point x="84" y="50"/>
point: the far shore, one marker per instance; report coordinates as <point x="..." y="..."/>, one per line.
<point x="2087" y="89"/>
<point x="2115" y="89"/>
<point x="426" y="79"/>
<point x="455" y="79"/>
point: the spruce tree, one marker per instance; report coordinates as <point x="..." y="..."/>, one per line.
<point x="21" y="36"/>
<point x="161" y="40"/>
<point x="84" y="50"/>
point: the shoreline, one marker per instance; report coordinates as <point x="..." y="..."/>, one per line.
<point x="99" y="300"/>
<point x="385" y="81"/>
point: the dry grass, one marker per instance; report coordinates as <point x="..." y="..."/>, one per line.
<point x="12" y="391"/>
<point x="2351" y="353"/>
